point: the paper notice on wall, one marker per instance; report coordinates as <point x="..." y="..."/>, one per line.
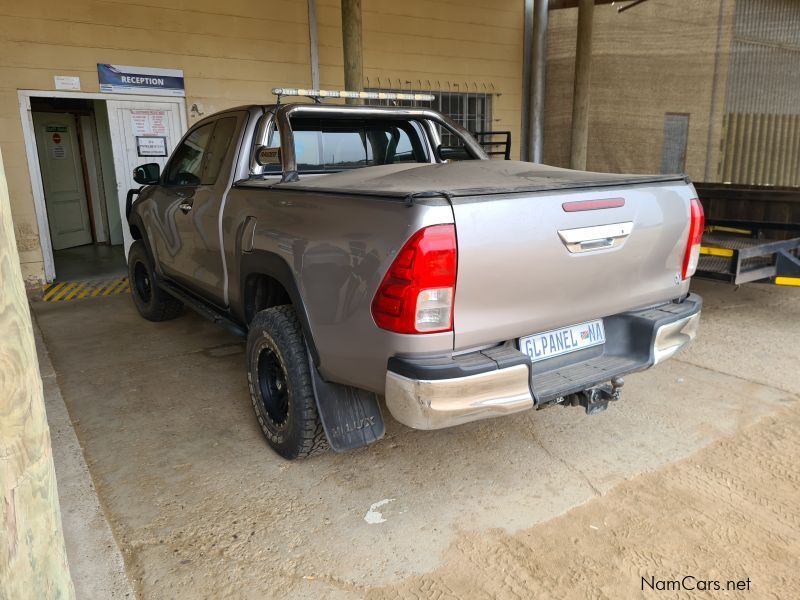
<point x="151" y="146"/>
<point x="57" y="134"/>
<point x="65" y="82"/>
<point x="149" y="122"/>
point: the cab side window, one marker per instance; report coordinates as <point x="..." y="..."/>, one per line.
<point x="186" y="166"/>
<point x="218" y="149"/>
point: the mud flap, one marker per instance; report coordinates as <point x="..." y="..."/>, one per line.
<point x="350" y="417"/>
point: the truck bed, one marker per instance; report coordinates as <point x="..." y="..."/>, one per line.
<point x="466" y="178"/>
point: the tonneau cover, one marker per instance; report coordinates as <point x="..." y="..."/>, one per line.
<point x="466" y="178"/>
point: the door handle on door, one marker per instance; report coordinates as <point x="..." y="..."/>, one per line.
<point x="185" y="206"/>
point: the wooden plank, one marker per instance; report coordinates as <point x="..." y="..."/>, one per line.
<point x="773" y="147"/>
<point x="761" y="157"/>
<point x="735" y="151"/>
<point x="729" y="122"/>
<point x="33" y="560"/>
<point x="757" y="150"/>
<point x="794" y="154"/>
<point x="784" y="176"/>
<point x="788" y="164"/>
<point x="746" y="149"/>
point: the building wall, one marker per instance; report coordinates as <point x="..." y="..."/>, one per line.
<point x="658" y="57"/>
<point x="226" y="57"/>
<point x="457" y="46"/>
<point x="661" y="56"/>
<point x="234" y="52"/>
<point x="762" y="114"/>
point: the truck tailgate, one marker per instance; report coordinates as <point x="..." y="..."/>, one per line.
<point x="527" y="263"/>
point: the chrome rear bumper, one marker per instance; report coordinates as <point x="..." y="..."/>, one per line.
<point x="442" y="392"/>
<point x="434" y="404"/>
<point x="672" y="337"/>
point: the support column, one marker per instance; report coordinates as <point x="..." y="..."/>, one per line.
<point x="538" y="74"/>
<point x="33" y="560"/>
<point x="352" y="47"/>
<point x="527" y="39"/>
<point x="312" y="43"/>
<point x="580" y="98"/>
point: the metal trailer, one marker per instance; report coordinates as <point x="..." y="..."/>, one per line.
<point x="752" y="234"/>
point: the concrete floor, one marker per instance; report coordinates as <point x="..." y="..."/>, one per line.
<point x="95" y="560"/>
<point x="202" y="508"/>
<point x="92" y="261"/>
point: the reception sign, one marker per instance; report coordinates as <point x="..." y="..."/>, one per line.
<point x="122" y="79"/>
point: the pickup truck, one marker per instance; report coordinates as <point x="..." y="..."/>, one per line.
<point x="371" y="252"/>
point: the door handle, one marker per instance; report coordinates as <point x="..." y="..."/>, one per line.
<point x="185" y="206"/>
<point x="596" y="237"/>
<point x="596" y="244"/>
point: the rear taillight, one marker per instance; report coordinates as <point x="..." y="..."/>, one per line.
<point x="416" y="295"/>
<point x="696" y="225"/>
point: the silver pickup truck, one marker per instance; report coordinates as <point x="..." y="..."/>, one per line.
<point x="376" y="251"/>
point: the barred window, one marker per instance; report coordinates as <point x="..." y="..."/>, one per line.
<point x="471" y="110"/>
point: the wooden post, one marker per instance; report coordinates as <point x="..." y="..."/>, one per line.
<point x="33" y="560"/>
<point x="352" y="48"/>
<point x="580" y="99"/>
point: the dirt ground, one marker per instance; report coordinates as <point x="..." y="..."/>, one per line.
<point x="726" y="514"/>
<point x="692" y="473"/>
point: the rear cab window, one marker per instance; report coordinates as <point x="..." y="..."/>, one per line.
<point x="340" y="144"/>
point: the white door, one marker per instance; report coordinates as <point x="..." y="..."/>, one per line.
<point x="141" y="132"/>
<point x="62" y="179"/>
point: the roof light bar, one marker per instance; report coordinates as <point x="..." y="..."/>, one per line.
<point x="346" y="94"/>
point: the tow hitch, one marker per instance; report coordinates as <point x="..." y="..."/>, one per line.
<point x="595" y="399"/>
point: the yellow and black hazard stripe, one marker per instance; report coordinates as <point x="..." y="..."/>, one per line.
<point x="78" y="290"/>
<point x="713" y="251"/>
<point x="724" y="229"/>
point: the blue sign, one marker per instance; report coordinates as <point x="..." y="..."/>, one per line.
<point x="121" y="79"/>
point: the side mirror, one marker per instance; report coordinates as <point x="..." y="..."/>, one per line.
<point x="267" y="156"/>
<point x="453" y="153"/>
<point x="148" y="174"/>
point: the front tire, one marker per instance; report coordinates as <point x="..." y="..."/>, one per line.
<point x="153" y="303"/>
<point x="279" y="377"/>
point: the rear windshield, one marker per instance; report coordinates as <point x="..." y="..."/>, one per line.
<point x="340" y="144"/>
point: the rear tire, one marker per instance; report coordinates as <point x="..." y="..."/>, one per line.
<point x="153" y="303"/>
<point x="279" y="377"/>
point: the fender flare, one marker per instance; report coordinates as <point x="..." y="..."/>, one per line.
<point x="262" y="262"/>
<point x="135" y="220"/>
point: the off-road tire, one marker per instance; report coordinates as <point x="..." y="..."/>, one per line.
<point x="153" y="303"/>
<point x="279" y="377"/>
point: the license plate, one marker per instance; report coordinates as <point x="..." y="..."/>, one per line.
<point x="540" y="346"/>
